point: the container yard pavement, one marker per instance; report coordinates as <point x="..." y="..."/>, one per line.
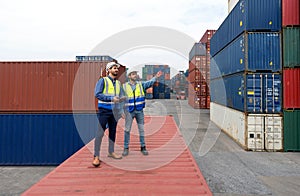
<point x="228" y="169"/>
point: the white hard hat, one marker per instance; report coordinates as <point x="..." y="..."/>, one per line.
<point x="111" y="64"/>
<point x="131" y="71"/>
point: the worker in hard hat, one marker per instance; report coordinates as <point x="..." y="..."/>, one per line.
<point x="135" y="93"/>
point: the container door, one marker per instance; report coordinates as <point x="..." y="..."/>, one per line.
<point x="273" y="133"/>
<point x="255" y="135"/>
<point x="254" y="93"/>
<point x="272" y="93"/>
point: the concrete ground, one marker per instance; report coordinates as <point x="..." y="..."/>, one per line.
<point x="228" y="169"/>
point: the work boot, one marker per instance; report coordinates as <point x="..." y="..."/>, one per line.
<point x="114" y="156"/>
<point x="125" y="152"/>
<point x="144" y="151"/>
<point x="96" y="162"/>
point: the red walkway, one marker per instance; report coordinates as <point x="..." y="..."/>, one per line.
<point x="169" y="169"/>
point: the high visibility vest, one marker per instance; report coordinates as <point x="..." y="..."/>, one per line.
<point x="109" y="90"/>
<point x="135" y="99"/>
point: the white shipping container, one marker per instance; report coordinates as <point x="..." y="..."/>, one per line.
<point x="255" y="132"/>
<point x="231" y="4"/>
<point x="230" y="121"/>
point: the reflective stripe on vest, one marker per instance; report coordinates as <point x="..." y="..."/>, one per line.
<point x="136" y="98"/>
<point x="109" y="90"/>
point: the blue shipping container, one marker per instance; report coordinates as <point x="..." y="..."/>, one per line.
<point x="43" y="139"/>
<point x="249" y="52"/>
<point x="247" y="15"/>
<point x="198" y="49"/>
<point x="254" y="93"/>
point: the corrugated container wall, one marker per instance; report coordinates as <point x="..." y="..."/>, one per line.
<point x="254" y="93"/>
<point x="249" y="52"/>
<point x="257" y="132"/>
<point x="291" y="88"/>
<point x="291" y="46"/>
<point x="50" y="86"/>
<point x="290" y="12"/>
<point x="198" y="49"/>
<point x="247" y="15"/>
<point x="43" y="139"/>
<point x="207" y="36"/>
<point x="291" y="130"/>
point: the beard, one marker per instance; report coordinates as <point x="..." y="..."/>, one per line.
<point x="115" y="73"/>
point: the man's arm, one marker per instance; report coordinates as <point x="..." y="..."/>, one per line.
<point x="149" y="83"/>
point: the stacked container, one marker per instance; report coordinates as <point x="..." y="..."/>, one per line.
<point x="161" y="88"/>
<point x="179" y="85"/>
<point x="47" y="110"/>
<point x="246" y="75"/>
<point x="197" y="77"/>
<point x="291" y="74"/>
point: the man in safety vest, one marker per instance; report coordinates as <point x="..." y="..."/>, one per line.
<point x="108" y="91"/>
<point x="135" y="93"/>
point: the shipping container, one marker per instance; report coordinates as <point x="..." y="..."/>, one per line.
<point x="43" y="139"/>
<point x="291" y="88"/>
<point x="199" y="88"/>
<point x="247" y="15"/>
<point x="197" y="96"/>
<point x="149" y="95"/>
<point x="197" y="62"/>
<point x="291" y="130"/>
<point x="197" y="75"/>
<point x="50" y="86"/>
<point x="207" y="36"/>
<point x="291" y="46"/>
<point x="290" y="12"/>
<point x="256" y="132"/>
<point x="253" y="92"/>
<point x="95" y="58"/>
<point x="198" y="49"/>
<point x="198" y="102"/>
<point x="249" y="52"/>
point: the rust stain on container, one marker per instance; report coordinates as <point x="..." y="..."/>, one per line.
<point x="50" y="86"/>
<point x="133" y="175"/>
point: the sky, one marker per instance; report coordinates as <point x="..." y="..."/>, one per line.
<point x="59" y="30"/>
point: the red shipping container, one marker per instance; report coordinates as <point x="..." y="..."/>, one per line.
<point x="149" y="76"/>
<point x="50" y="86"/>
<point x="197" y="101"/>
<point x="197" y="75"/>
<point x="197" y="62"/>
<point x="149" y="90"/>
<point x="291" y="88"/>
<point x="167" y="76"/>
<point x="207" y="36"/>
<point x="290" y="12"/>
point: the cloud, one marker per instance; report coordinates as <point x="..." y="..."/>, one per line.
<point x="58" y="30"/>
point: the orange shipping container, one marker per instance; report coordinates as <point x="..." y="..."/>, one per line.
<point x="50" y="86"/>
<point x="149" y="90"/>
<point x="167" y="76"/>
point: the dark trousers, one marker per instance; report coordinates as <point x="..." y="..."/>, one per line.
<point x="105" y="117"/>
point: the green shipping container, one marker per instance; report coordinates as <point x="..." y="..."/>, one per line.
<point x="291" y="47"/>
<point x="291" y="130"/>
